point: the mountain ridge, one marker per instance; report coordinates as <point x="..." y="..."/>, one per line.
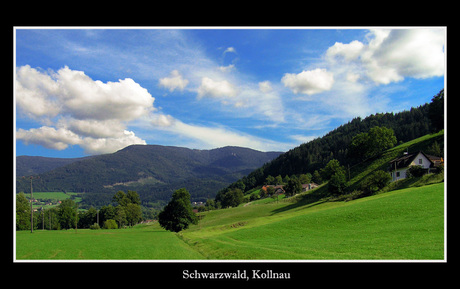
<point x="154" y="171"/>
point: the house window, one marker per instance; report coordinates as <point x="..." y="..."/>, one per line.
<point x="398" y="174"/>
<point x="420" y="161"/>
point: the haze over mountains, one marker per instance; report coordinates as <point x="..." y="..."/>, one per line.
<point x="153" y="171"/>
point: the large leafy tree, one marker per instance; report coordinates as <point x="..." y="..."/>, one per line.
<point x="178" y="213"/>
<point x="372" y="143"/>
<point x="232" y="198"/>
<point x="67" y="214"/>
<point x="128" y="209"/>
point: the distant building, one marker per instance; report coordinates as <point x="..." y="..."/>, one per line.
<point x="279" y="189"/>
<point x="307" y="187"/>
<point x="399" y="166"/>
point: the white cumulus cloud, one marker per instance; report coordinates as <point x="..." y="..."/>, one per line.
<point x="309" y="82"/>
<point x="215" y="89"/>
<point x="175" y="81"/>
<point x="110" y="144"/>
<point x="84" y="112"/>
<point x="394" y="54"/>
<point x="49" y="137"/>
<point x="265" y="86"/>
<point x="349" y="51"/>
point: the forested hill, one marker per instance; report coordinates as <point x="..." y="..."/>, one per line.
<point x="314" y="155"/>
<point x="33" y="165"/>
<point x="153" y="171"/>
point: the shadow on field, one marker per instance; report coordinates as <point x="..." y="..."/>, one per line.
<point x="307" y="201"/>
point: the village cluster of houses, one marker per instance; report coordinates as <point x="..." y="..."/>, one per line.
<point x="279" y="189"/>
<point x="44" y="203"/>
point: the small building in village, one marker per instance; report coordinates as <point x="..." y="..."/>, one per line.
<point x="399" y="166"/>
<point x="279" y="189"/>
<point x="307" y="187"/>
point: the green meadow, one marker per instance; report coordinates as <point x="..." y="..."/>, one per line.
<point x="406" y="224"/>
<point x="402" y="224"/>
<point x="138" y="243"/>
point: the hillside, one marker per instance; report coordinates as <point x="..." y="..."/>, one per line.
<point x="314" y="155"/>
<point x="153" y="171"/>
<point x="398" y="225"/>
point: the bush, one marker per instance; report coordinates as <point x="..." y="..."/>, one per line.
<point x="416" y="171"/>
<point x="110" y="224"/>
<point x="375" y="182"/>
<point x="95" y="226"/>
<point x="338" y="183"/>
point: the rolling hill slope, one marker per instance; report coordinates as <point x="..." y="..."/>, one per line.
<point x="398" y="225"/>
<point x="401" y="224"/>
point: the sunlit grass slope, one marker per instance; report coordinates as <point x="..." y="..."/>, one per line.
<point x="402" y="224"/>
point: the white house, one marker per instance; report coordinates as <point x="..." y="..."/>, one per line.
<point x="399" y="166"/>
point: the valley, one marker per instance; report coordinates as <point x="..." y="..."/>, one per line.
<point x="406" y="224"/>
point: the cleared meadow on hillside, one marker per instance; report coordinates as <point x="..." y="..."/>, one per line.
<point x="402" y="224"/>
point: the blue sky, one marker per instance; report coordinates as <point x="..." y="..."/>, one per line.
<point x="92" y="91"/>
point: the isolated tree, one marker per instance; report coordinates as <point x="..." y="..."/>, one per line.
<point x="178" y="213"/>
<point x="232" y="198"/>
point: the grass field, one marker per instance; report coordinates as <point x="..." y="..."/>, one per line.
<point x="397" y="225"/>
<point x="402" y="224"/>
<point x="138" y="243"/>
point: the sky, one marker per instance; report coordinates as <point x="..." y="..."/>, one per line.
<point x="82" y="92"/>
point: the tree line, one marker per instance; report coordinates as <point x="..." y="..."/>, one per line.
<point x="127" y="212"/>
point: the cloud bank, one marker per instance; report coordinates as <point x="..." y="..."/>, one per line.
<point x="79" y="110"/>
